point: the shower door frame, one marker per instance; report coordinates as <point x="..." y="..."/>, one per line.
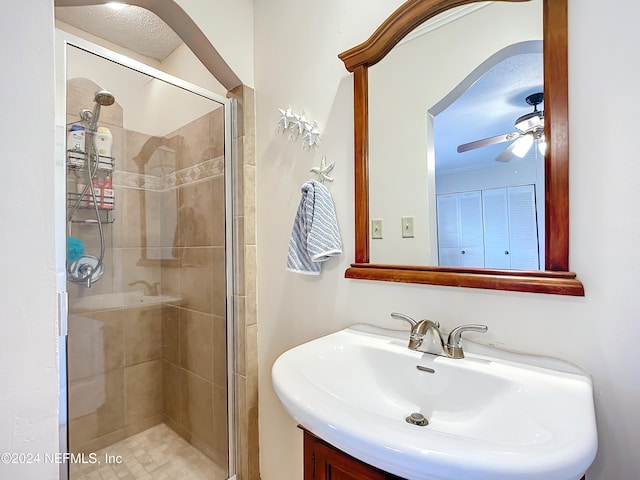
<point x="62" y="42"/>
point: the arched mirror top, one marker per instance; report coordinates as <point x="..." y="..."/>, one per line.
<point x="400" y="23"/>
<point x="554" y="277"/>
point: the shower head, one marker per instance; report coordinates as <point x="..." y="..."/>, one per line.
<point x="104" y="98"/>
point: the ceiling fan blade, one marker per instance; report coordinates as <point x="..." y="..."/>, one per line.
<point x="507" y="154"/>
<point x="506" y="137"/>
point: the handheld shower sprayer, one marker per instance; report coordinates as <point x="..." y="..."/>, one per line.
<point x="103" y="98"/>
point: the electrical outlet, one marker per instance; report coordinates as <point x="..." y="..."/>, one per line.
<point x="407" y="227"/>
<point x="376" y="228"/>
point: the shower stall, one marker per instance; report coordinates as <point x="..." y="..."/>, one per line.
<point x="148" y="262"/>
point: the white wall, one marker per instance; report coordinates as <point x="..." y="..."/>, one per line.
<point x="296" y="47"/>
<point x="519" y="171"/>
<point x="28" y="360"/>
<point x="229" y="26"/>
<point x="184" y="64"/>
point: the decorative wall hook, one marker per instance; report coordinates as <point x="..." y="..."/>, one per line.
<point x="323" y="170"/>
<point x="297" y="126"/>
<point x="286" y="119"/>
<point x="311" y="137"/>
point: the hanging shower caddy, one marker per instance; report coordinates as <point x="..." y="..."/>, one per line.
<point x="77" y="165"/>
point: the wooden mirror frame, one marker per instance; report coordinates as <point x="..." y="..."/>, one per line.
<point x="556" y="278"/>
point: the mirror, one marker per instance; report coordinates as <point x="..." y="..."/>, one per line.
<point x="549" y="273"/>
<point x="413" y="161"/>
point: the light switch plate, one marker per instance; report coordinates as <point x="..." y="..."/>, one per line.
<point x="376" y="228"/>
<point x="407" y="227"/>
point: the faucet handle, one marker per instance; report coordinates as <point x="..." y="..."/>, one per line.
<point x="406" y="318"/>
<point x="86" y="270"/>
<point x="454" y="342"/>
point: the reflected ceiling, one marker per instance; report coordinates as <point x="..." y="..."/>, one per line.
<point x="488" y="107"/>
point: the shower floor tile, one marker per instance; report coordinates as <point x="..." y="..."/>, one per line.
<point x="155" y="454"/>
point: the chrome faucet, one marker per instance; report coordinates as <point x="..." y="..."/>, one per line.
<point x="427" y="338"/>
<point x="150" y="290"/>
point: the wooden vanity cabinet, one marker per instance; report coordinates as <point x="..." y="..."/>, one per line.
<point x="323" y="461"/>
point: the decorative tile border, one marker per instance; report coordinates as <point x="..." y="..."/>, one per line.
<point x="196" y="173"/>
<point x="201" y="171"/>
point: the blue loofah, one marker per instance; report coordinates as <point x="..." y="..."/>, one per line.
<point x="75" y="249"/>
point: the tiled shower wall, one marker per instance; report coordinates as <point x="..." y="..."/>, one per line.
<point x="166" y="363"/>
<point x="245" y="299"/>
<point x="194" y="332"/>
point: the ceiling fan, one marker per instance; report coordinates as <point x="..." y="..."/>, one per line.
<point x="529" y="128"/>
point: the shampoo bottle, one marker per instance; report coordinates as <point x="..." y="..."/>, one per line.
<point x="108" y="194"/>
<point x="104" y="141"/>
<point x="75" y="139"/>
<point x="96" y="192"/>
<point x="75" y="146"/>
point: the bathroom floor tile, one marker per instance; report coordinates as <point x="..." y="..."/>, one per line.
<point x="154" y="454"/>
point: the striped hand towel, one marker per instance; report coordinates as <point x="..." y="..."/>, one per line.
<point x="315" y="236"/>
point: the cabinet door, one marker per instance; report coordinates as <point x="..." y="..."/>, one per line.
<point x="523" y="228"/>
<point x="332" y="464"/>
<point x="460" y="242"/>
<point x="510" y="228"/>
<point x="448" y="236"/>
<point x="471" y="235"/>
<point x="325" y="462"/>
<point x="496" y="228"/>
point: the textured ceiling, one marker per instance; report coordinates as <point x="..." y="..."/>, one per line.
<point x="134" y="28"/>
<point x="487" y="108"/>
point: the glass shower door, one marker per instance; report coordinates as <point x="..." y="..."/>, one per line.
<point x="148" y="207"/>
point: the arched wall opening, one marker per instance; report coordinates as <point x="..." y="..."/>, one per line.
<point x="184" y="26"/>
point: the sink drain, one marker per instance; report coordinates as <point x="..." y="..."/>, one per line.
<point x="417" y="419"/>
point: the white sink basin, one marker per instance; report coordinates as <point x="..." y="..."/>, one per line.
<point x="118" y="300"/>
<point x="493" y="415"/>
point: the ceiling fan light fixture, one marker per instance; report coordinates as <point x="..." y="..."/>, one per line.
<point x="542" y="145"/>
<point x="530" y="121"/>
<point x="522" y="145"/>
<point x="534" y="120"/>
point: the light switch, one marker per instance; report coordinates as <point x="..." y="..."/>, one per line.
<point x="407" y="227"/>
<point x="376" y="228"/>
